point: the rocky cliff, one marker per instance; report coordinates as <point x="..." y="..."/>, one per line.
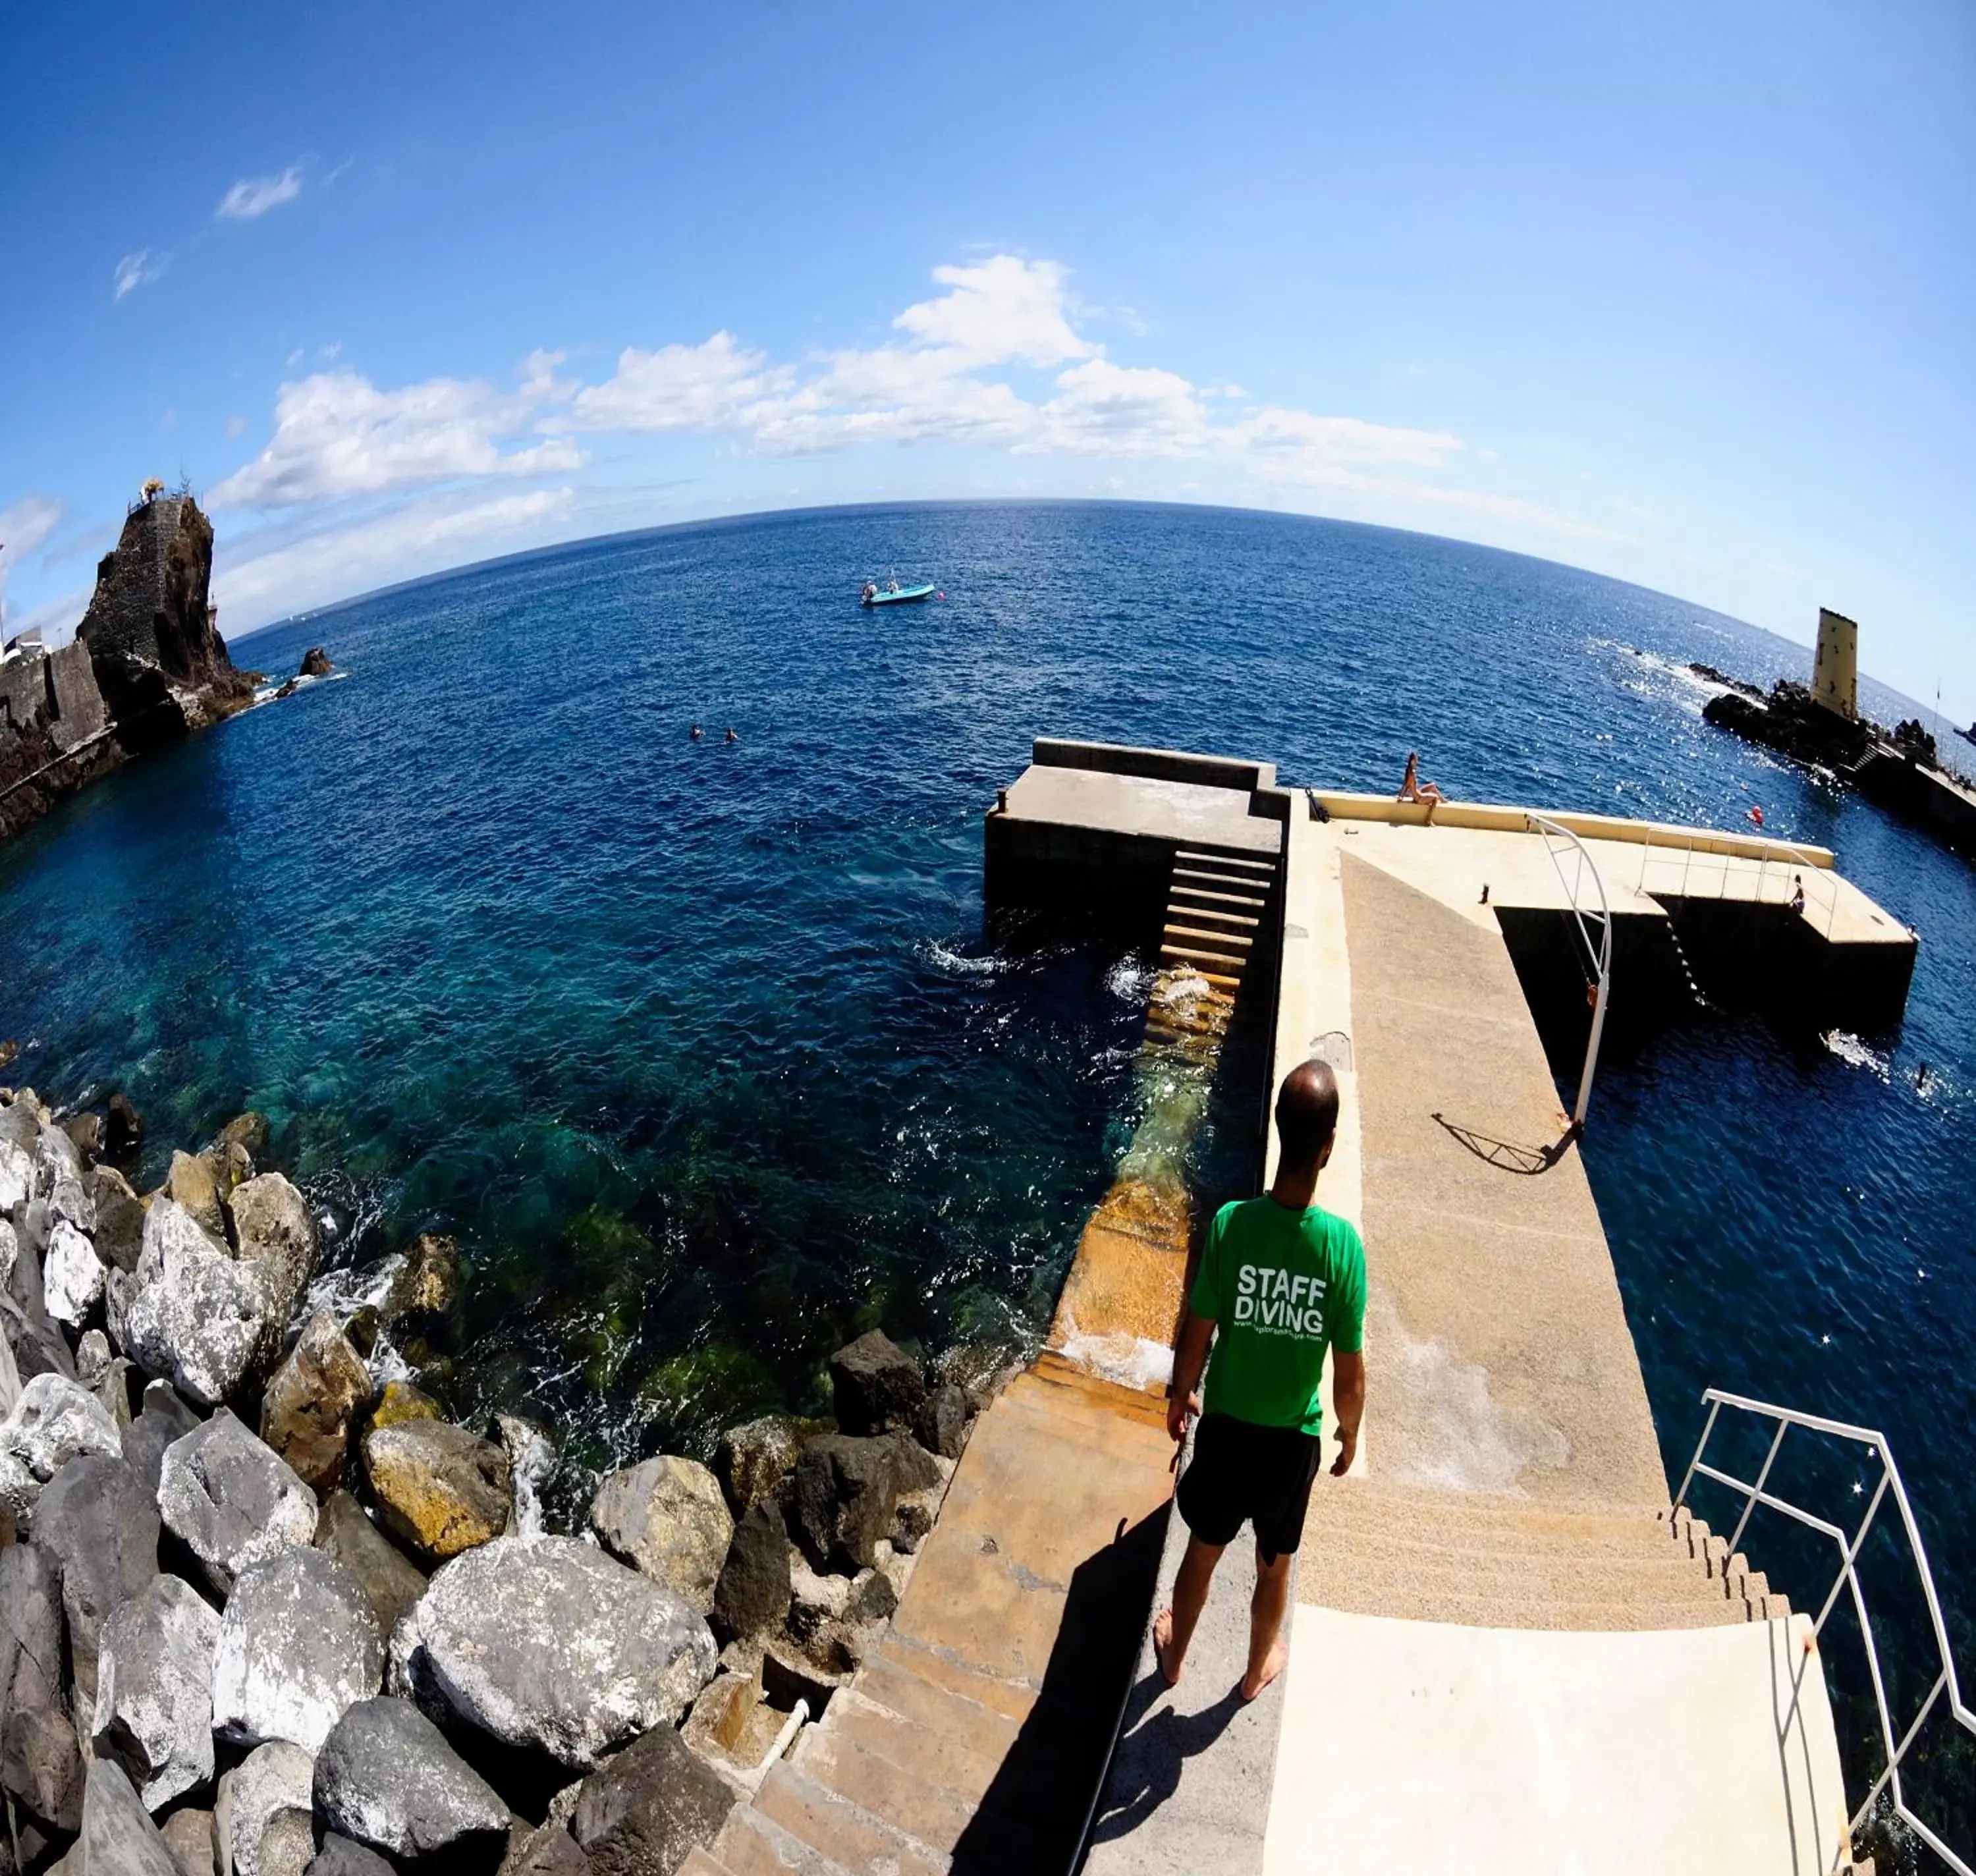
<point x="147" y="665"/>
<point x="160" y="660"/>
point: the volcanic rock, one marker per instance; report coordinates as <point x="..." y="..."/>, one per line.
<point x="341" y="1856"/>
<point x="940" y="1426"/>
<point x="642" y="1811"/>
<point x="439" y="1488"/>
<point x="390" y="1583"/>
<point x="40" y="1765"/>
<point x="263" y="1822"/>
<point x="386" y="1777"/>
<point x="98" y="1523"/>
<point x="299" y="1645"/>
<point x="163" y="1419"/>
<point x="546" y="1643"/>
<point x="154" y="1690"/>
<point x="312" y="1401"/>
<point x="876" y="1386"/>
<point x="273" y="1228"/>
<point x="751" y="1460"/>
<point x="123" y="1127"/>
<point x="231" y="1500"/>
<point x="666" y="1517"/>
<point x="315" y="662"/>
<point x="427" y="1285"/>
<point x="118" y="1837"/>
<point x="752" y="1595"/>
<point x="846" y="1492"/>
<point x="200" y="1319"/>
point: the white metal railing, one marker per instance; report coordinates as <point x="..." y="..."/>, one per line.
<point x="1698" y="863"/>
<point x="1946" y="1680"/>
<point x="1600" y="955"/>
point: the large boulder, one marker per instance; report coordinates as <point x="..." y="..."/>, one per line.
<point x="200" y="1319"/>
<point x="312" y="1401"/>
<point x="161" y="1420"/>
<point x="274" y="1232"/>
<point x="188" y="1835"/>
<point x="120" y="1219"/>
<point x="427" y="1285"/>
<point x="644" y="1809"/>
<point x="40" y="1765"/>
<point x="230" y="1500"/>
<point x="72" y="1274"/>
<point x="875" y="1386"/>
<point x="390" y="1583"/>
<point x="940" y="1426"/>
<point x="17" y="1175"/>
<point x="263" y="1821"/>
<point x="439" y="1488"/>
<point x="154" y="1690"/>
<point x="55" y="1419"/>
<point x="547" y="1643"/>
<point x="752" y="1596"/>
<point x="751" y="1460"/>
<point x="386" y="1776"/>
<point x="99" y="1522"/>
<point x="666" y="1517"/>
<point x="118" y="1837"/>
<point x="846" y="1491"/>
<point x="192" y="1183"/>
<point x="299" y="1644"/>
<point x="248" y="1131"/>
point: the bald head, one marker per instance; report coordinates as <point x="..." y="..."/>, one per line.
<point x="1307" y="1115"/>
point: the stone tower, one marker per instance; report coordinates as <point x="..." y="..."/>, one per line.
<point x="1835" y="667"/>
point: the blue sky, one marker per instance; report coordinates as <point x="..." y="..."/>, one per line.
<point x="1686" y="294"/>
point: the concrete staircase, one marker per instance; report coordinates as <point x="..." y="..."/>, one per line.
<point x="1372" y="1546"/>
<point x="1220" y="903"/>
<point x="974" y="1737"/>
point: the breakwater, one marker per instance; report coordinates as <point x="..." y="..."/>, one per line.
<point x="264" y="1603"/>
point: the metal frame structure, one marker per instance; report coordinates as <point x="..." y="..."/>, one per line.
<point x="1817" y="877"/>
<point x="1600" y="954"/>
<point x="1850" y="1548"/>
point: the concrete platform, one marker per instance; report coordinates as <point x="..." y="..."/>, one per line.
<point x="1431" y="1748"/>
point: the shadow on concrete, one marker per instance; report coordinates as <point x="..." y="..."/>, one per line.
<point x="1507" y="1154"/>
<point x="1032" y="1817"/>
<point x="1157" y="1745"/>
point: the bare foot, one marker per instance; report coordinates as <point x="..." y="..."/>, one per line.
<point x="1162" y="1642"/>
<point x="1273" y="1665"/>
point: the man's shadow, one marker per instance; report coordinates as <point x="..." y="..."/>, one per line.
<point x="1152" y="1749"/>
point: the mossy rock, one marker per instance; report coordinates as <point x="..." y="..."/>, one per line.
<point x="401" y="1402"/>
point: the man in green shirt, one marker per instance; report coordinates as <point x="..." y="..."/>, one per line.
<point x="1284" y="1280"/>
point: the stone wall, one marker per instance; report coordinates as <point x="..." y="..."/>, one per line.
<point x="55" y="734"/>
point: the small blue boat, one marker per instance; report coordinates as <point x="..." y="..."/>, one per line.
<point x="893" y="594"/>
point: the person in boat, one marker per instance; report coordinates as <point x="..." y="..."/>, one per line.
<point x="1413" y="789"/>
<point x="869" y="593"/>
<point x="1797" y="892"/>
<point x="732" y="736"/>
<point x="1281" y="1279"/>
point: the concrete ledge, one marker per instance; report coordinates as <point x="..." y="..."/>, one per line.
<point x="1159" y="765"/>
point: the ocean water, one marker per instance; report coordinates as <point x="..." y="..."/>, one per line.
<point x="698" y="1046"/>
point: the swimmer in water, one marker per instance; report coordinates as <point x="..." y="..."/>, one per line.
<point x="695" y="733"/>
<point x="1921" y="1079"/>
<point x="732" y="736"/>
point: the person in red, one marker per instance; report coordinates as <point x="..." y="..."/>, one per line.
<point x="1283" y="1280"/>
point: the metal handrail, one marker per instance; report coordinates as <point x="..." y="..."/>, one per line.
<point x="1849" y="1547"/>
<point x="1600" y="954"/>
<point x="1820" y="881"/>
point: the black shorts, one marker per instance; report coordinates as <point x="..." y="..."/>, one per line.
<point x="1242" y="1472"/>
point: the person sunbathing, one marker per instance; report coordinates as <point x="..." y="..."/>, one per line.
<point x="1413" y="789"/>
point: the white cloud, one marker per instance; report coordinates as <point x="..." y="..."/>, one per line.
<point x="139" y="269"/>
<point x="708" y="387"/>
<point x="1005" y="310"/>
<point x="336" y="434"/>
<point x="253" y="587"/>
<point x="24" y="526"/>
<point x="236" y="426"/>
<point x="253" y="196"/>
<point x="1103" y="409"/>
<point x="1295" y="438"/>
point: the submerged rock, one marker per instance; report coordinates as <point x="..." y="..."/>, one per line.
<point x="545" y="1642"/>
<point x="426" y="1288"/>
<point x="154" y="1690"/>
<point x="387" y="1777"/>
<point x="876" y="1386"/>
<point x="231" y="1500"/>
<point x="311" y="1401"/>
<point x="263" y="1822"/>
<point x="666" y="1517"/>
<point x="248" y="1131"/>
<point x="123" y="1127"/>
<point x="643" y="1810"/>
<point x="200" y="1319"/>
<point x="299" y="1645"/>
<point x="439" y="1488"/>
<point x="390" y="1583"/>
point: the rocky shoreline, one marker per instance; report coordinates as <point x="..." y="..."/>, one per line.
<point x="265" y="1610"/>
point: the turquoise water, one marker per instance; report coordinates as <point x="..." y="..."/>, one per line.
<point x="698" y="1049"/>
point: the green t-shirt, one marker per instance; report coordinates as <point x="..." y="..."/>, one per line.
<point x="1283" y="1286"/>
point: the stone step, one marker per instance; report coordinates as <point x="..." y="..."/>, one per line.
<point x="1215" y="965"/>
<point x="1452" y="1535"/>
<point x="845" y="1833"/>
<point x="1011" y="1699"/>
<point x="1426" y="1573"/>
<point x="1263" y="865"/>
<point x="970" y="1724"/>
<point x="751" y="1844"/>
<point x="926" y="1750"/>
<point x="910" y="1800"/>
<point x="1247" y="923"/>
<point x="1354" y="1596"/>
<point x="1053" y="1370"/>
<point x="1223" y="893"/>
<point x="1492" y="1512"/>
<point x="1233" y="944"/>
